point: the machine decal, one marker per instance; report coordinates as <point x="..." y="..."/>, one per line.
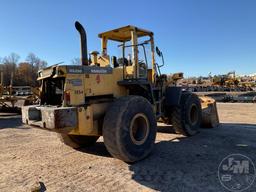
<point x="89" y="70"/>
<point x="75" y="70"/>
<point x="75" y="82"/>
<point x="97" y="70"/>
<point x="79" y="92"/>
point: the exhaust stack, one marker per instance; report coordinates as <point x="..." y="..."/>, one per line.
<point x="83" y="39"/>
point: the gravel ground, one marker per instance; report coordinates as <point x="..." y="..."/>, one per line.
<point x="30" y="155"/>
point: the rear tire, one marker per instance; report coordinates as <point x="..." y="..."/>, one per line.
<point x="129" y="128"/>
<point x="186" y="118"/>
<point x="77" y="141"/>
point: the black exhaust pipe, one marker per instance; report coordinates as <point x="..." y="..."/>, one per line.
<point x="83" y="39"/>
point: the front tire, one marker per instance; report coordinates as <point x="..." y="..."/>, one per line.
<point x="129" y="128"/>
<point x="186" y="118"/>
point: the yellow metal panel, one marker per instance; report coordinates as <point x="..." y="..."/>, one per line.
<point x="135" y="54"/>
<point x="103" y="61"/>
<point x="90" y="119"/>
<point x="123" y="33"/>
<point x="153" y="72"/>
<point x="129" y="71"/>
<point x="104" y="84"/>
<point x="85" y="122"/>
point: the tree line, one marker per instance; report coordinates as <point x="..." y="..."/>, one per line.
<point x="21" y="73"/>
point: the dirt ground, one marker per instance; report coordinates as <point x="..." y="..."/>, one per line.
<point x="30" y="155"/>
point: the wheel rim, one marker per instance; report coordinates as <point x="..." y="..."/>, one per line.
<point x="139" y="129"/>
<point x="193" y="115"/>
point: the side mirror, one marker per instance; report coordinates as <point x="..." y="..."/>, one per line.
<point x="158" y="52"/>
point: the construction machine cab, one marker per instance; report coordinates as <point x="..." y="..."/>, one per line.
<point x="137" y="63"/>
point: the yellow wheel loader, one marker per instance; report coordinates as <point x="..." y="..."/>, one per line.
<point x="119" y="98"/>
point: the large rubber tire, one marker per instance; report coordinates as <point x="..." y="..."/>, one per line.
<point x="186" y="118"/>
<point x="78" y="141"/>
<point x="129" y="128"/>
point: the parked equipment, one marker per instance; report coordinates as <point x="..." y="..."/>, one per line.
<point x="8" y="99"/>
<point x="119" y="98"/>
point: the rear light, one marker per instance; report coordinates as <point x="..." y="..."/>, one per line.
<point x="67" y="97"/>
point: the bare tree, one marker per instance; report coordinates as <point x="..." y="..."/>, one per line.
<point x="10" y="64"/>
<point x="42" y="64"/>
<point x="13" y="58"/>
<point x="35" y="61"/>
<point x="36" y="64"/>
<point x="23" y="73"/>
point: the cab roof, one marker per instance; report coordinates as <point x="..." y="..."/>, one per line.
<point x="124" y="33"/>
